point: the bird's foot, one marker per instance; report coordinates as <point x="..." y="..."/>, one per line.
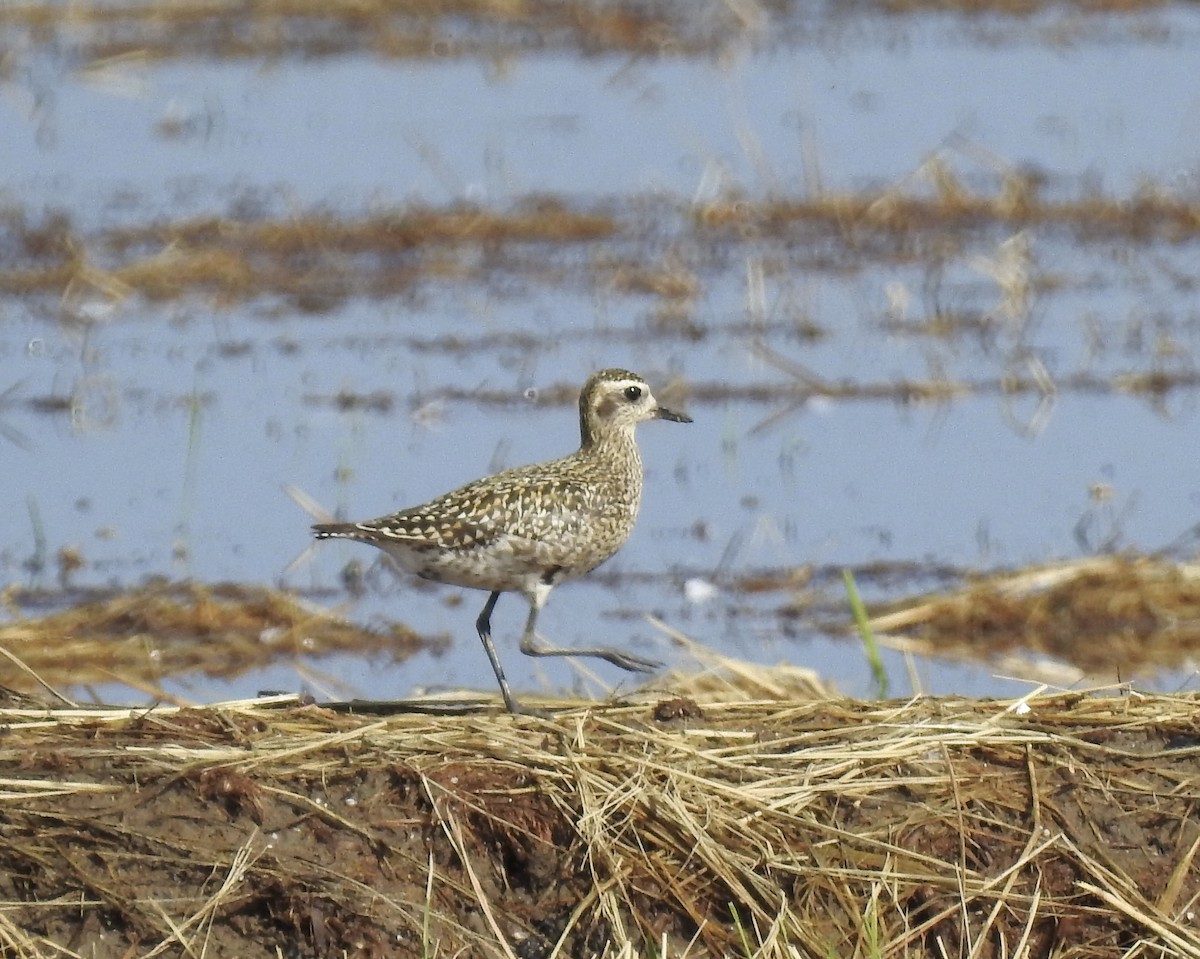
<point x="630" y="662"/>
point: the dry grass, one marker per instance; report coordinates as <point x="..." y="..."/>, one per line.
<point x="115" y="32"/>
<point x="1132" y="615"/>
<point x="1051" y="826"/>
<point x="644" y="248"/>
<point x="935" y="200"/>
<point x="303" y="257"/>
<point x="140" y="636"/>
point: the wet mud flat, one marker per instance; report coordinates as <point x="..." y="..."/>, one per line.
<point x="1049" y="826"/>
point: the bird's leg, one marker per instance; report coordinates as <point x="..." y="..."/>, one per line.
<point x="530" y="647"/>
<point x="484" y="625"/>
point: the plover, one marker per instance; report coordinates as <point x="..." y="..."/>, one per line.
<point x="528" y="529"/>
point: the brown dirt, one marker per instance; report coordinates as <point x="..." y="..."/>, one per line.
<point x="931" y="828"/>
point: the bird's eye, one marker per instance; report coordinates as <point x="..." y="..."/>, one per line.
<point x="633" y="393"/>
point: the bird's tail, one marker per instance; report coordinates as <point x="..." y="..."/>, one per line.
<point x="335" y="530"/>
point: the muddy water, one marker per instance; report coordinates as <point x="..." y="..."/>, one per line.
<point x="925" y="392"/>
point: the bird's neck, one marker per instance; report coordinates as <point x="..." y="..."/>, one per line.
<point x="619" y="450"/>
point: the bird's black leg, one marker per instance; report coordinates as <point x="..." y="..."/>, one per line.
<point x="530" y="647"/>
<point x="484" y="625"/>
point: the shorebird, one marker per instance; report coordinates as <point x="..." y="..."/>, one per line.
<point x="526" y="530"/>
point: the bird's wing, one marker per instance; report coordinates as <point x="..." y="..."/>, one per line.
<point x="512" y="506"/>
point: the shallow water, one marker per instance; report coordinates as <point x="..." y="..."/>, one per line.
<point x="181" y="418"/>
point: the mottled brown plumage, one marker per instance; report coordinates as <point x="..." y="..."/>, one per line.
<point x="528" y="529"/>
